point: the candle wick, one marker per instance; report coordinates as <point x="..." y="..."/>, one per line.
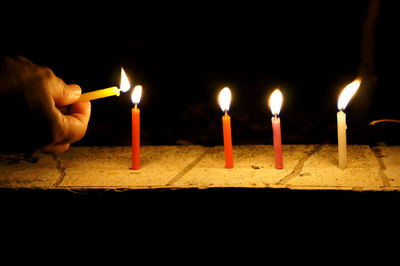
<point x="226" y="112"/>
<point x="135" y="105"/>
<point x="276" y="115"/>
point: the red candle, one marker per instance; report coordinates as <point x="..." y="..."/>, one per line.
<point x="135" y="138"/>
<point x="224" y="101"/>
<point x="136" y="94"/>
<point x="226" y="125"/>
<point x="275" y="103"/>
<point x="276" y="129"/>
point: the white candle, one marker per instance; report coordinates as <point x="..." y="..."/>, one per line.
<point x="344" y="99"/>
<point x="342" y="145"/>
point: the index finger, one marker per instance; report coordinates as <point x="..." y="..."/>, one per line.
<point x="62" y="93"/>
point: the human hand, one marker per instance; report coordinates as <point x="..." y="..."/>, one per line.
<point x="38" y="111"/>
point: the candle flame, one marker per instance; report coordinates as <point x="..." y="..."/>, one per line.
<point x="224" y="99"/>
<point x="275" y="101"/>
<point x="136" y="94"/>
<point x="347" y="93"/>
<point x="125" y="85"/>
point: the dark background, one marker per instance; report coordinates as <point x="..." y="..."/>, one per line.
<point x="185" y="53"/>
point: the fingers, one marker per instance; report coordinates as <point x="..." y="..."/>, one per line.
<point x="72" y="117"/>
<point x="79" y="119"/>
<point x="47" y="96"/>
<point x="74" y="125"/>
<point x="52" y="148"/>
<point x="70" y="127"/>
<point x="64" y="94"/>
<point x="61" y="93"/>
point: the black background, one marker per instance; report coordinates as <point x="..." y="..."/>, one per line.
<point x="185" y="53"/>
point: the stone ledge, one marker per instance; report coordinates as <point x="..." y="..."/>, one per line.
<point x="306" y="167"/>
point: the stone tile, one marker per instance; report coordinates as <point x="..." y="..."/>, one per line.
<point x="305" y="167"/>
<point x="321" y="170"/>
<point x="109" y="166"/>
<point x="18" y="173"/>
<point x="254" y="166"/>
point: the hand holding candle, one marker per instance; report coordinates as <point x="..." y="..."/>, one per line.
<point x="136" y="95"/>
<point x="38" y="110"/>
<point x="224" y="99"/>
<point x="344" y="99"/>
<point x="93" y="95"/>
<point x="275" y="103"/>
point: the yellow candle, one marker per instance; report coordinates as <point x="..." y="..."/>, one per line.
<point x="112" y="91"/>
<point x="93" y="95"/>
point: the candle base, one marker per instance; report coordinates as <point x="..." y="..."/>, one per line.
<point x="228" y="166"/>
<point x="135" y="167"/>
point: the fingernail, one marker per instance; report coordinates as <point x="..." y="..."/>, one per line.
<point x="75" y="90"/>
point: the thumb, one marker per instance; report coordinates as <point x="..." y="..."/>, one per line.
<point x="66" y="94"/>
